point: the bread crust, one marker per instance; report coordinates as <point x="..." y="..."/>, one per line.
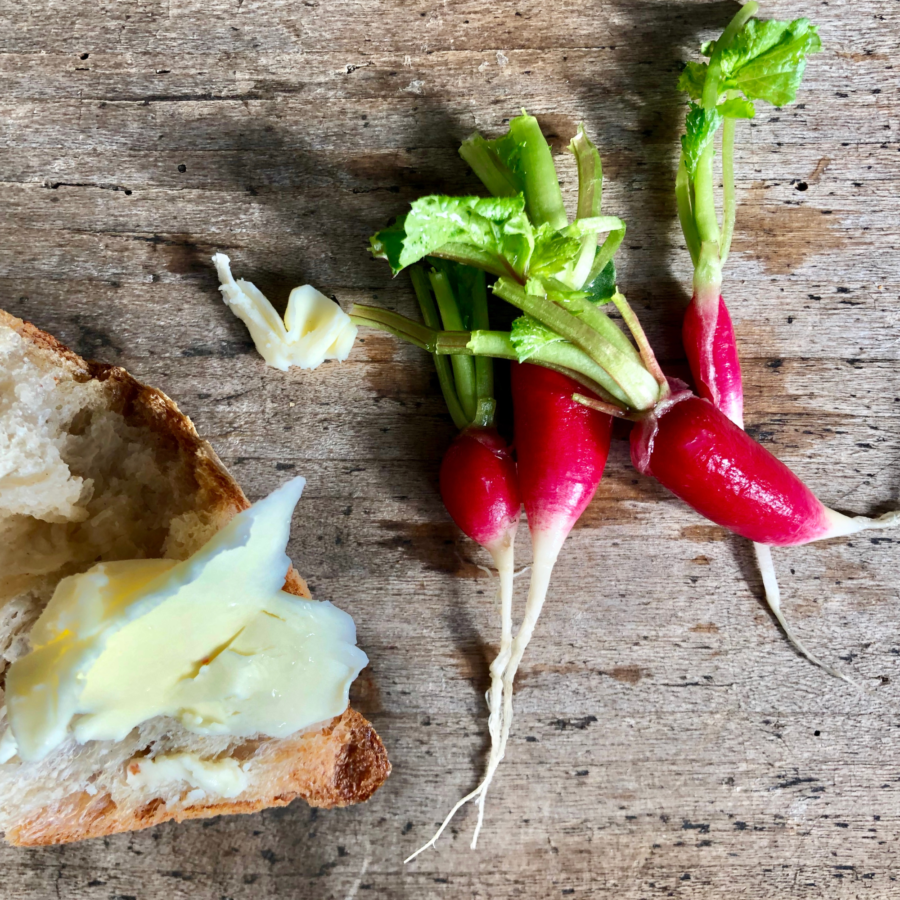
<point x="340" y="764"/>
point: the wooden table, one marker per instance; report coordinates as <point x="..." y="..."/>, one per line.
<point x="668" y="741"/>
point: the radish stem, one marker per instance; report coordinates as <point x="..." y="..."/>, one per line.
<point x="484" y="366"/>
<point x="729" y="208"/>
<point x="543" y="198"/>
<point x="647" y="355"/>
<point x="686" y="210"/>
<point x="422" y="287"/>
<point x="463" y="366"/>
<point x="599" y="405"/>
<point x="485" y="163"/>
<point x="633" y="379"/>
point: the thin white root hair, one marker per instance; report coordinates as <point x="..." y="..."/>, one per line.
<point x="503" y="559"/>
<point x="522" y="571"/>
<point x="773" y="598"/>
<point x="495" y="695"/>
<point x="459" y="805"/>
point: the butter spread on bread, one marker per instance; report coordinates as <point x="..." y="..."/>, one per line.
<point x="213" y="642"/>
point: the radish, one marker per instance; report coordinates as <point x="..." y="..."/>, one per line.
<point x="480" y="490"/>
<point x="701" y="456"/>
<point x="478" y="480"/>
<point x="561" y="448"/>
<point x="558" y="277"/>
<point x="777" y="52"/>
<point x="752" y="60"/>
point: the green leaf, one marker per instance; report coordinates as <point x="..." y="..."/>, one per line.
<point x="707" y="48"/>
<point x="536" y="287"/>
<point x="766" y="60"/>
<point x="528" y="336"/>
<point x="555" y="252"/>
<point x="737" y="108"/>
<point x="601" y="289"/>
<point x="558" y="255"/>
<point x="692" y="79"/>
<point x="701" y="125"/>
<point x="492" y="230"/>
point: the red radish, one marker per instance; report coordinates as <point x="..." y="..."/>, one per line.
<point x="478" y="475"/>
<point x="707" y="332"/>
<point x="479" y="488"/>
<point x="712" y="464"/>
<point x="481" y="492"/>
<point x="561" y="448"/>
<point x="700" y="455"/>
<point x="708" y="338"/>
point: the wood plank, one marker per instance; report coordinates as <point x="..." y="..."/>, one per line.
<point x="668" y="741"/>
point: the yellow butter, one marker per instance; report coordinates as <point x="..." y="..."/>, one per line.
<point x="213" y="642"/>
<point x="219" y="777"/>
<point x="314" y="327"/>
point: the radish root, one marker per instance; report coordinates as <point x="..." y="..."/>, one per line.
<point x="503" y="559"/>
<point x="546" y="551"/>
<point x="773" y="598"/>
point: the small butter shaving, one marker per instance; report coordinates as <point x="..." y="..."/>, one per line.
<point x="314" y="327"/>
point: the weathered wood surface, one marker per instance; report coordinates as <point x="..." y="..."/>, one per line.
<point x="668" y="741"/>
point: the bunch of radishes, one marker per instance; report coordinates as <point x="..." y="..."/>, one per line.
<point x="581" y="368"/>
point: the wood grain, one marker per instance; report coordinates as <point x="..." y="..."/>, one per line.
<point x="668" y="742"/>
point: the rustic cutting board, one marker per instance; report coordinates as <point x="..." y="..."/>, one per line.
<point x="668" y="742"/>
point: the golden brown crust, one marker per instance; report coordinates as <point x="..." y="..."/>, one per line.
<point x="343" y="763"/>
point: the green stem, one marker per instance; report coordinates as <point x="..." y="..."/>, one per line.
<point x="686" y="210"/>
<point x="463" y="368"/>
<point x="704" y="198"/>
<point x="647" y="355"/>
<point x="606" y="252"/>
<point x="543" y="198"/>
<point x="561" y="354"/>
<point x="590" y="175"/>
<point x="592" y="315"/>
<point x="591" y="261"/>
<point x="599" y="405"/>
<point x="478" y="259"/>
<point x="632" y="377"/>
<point x="485" y="163"/>
<point x="729" y="209"/>
<point x="430" y="314"/>
<point x="394" y="323"/>
<point x="484" y="367"/>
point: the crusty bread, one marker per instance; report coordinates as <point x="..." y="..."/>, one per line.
<point x="97" y="466"/>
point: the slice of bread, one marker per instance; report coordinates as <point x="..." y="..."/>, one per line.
<point x="96" y="466"/>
